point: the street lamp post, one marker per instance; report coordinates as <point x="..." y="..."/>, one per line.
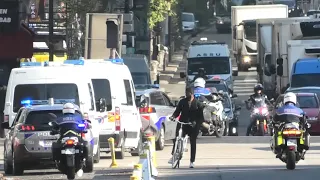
<point x="51" y="50"/>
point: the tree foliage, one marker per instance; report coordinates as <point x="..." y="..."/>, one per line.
<point x="158" y="9"/>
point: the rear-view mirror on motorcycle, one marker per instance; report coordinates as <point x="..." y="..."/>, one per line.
<point x="234" y="96"/>
<point x="308" y="125"/>
<point x="238" y="108"/>
<point x="52" y="123"/>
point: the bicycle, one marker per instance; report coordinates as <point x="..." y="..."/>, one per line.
<point x="180" y="146"/>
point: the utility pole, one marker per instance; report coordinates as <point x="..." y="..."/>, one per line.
<point x="51" y="50"/>
<point x="170" y="37"/>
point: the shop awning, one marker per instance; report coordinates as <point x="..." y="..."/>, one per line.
<point x="18" y="44"/>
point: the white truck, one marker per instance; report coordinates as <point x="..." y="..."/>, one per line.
<point x="305" y="48"/>
<point x="264" y="42"/>
<point x="243" y="23"/>
<point x="280" y="36"/>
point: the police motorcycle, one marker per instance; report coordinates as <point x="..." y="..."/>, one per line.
<point x="214" y="115"/>
<point x="260" y="114"/>
<point x="71" y="151"/>
<point x="293" y="140"/>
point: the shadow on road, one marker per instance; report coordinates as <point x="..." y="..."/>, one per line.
<point x="315" y="148"/>
<point x="239" y="172"/>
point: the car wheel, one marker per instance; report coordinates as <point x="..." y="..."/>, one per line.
<point x="161" y="140"/>
<point x="17" y="168"/>
<point x="120" y="154"/>
<point x="8" y="169"/>
<point x="226" y="129"/>
<point x="96" y="157"/>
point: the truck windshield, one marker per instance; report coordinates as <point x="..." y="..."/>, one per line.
<point x="44" y="92"/>
<point x="211" y="65"/>
<point x="250" y="32"/>
<point x="141" y="78"/>
<point x="302" y="80"/>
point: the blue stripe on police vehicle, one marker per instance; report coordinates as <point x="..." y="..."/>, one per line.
<point x="160" y="121"/>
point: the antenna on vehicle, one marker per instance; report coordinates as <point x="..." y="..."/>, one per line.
<point x="51" y="101"/>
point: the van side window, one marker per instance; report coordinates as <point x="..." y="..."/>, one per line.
<point x="101" y="88"/>
<point x="133" y="89"/>
<point x="91" y="97"/>
<point x="127" y="87"/>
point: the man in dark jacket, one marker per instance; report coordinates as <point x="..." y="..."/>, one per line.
<point x="190" y="111"/>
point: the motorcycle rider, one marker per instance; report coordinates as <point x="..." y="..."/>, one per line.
<point x="200" y="90"/>
<point x="190" y="110"/>
<point x="201" y="74"/>
<point x="69" y="121"/>
<point x="258" y="88"/>
<point x="289" y="113"/>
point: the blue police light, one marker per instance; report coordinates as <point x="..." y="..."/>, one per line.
<point x="116" y="61"/>
<point x="24" y="64"/>
<point x="26" y="102"/>
<point x="81" y="125"/>
<point x="74" y="62"/>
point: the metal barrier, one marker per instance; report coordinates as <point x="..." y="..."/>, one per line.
<point x="146" y="167"/>
<point x="113" y="154"/>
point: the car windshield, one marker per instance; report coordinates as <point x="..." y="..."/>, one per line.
<point x="211" y="65"/>
<point x="317" y="91"/>
<point x="288" y="3"/>
<point x="44" y="92"/>
<point x="303" y="80"/>
<point x="218" y="86"/>
<point x="140" y="78"/>
<point x="307" y="102"/>
<point x="42" y="118"/>
<point x="312" y="13"/>
<point x="187" y="17"/>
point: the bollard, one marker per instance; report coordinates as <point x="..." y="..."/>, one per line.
<point x="113" y="154"/>
<point x="151" y="139"/>
<point x="137" y="172"/>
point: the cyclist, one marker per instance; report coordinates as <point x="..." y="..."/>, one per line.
<point x="190" y="111"/>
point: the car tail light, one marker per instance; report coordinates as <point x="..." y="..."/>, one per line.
<point x="147" y="117"/>
<point x="117" y="119"/>
<point x="291" y="132"/>
<point x="6" y="118"/>
<point x="26" y="128"/>
<point x="147" y="110"/>
<point x="70" y="142"/>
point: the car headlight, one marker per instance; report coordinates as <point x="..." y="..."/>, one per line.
<point x="220" y="22"/>
<point x="289" y="11"/>
<point x="264" y="111"/>
<point x="312" y="118"/>
<point x="246" y="59"/>
<point x="256" y="110"/>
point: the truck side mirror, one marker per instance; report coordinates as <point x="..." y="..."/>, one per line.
<point x="272" y="69"/>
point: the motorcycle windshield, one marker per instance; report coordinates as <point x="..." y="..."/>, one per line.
<point x="259" y="102"/>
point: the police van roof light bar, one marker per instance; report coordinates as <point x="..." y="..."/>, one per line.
<point x="115" y="61"/>
<point x="74" y="62"/>
<point x="29" y="102"/>
<point x="30" y="64"/>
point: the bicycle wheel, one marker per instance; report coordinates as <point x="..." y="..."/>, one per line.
<point x="177" y="154"/>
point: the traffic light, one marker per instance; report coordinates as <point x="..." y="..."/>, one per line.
<point x="112" y="34"/>
<point x="280" y="67"/>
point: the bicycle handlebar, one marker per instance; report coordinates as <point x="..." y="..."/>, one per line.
<point x="181" y="122"/>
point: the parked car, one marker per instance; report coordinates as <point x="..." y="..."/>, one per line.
<point x="155" y="106"/>
<point x="309" y="103"/>
<point x="189" y="23"/>
<point x="233" y="114"/>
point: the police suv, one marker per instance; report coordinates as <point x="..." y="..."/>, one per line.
<point x="27" y="145"/>
<point x="213" y="57"/>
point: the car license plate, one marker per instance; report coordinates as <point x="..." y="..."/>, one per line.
<point x="70" y="151"/>
<point x="291" y="142"/>
<point x="45" y="143"/>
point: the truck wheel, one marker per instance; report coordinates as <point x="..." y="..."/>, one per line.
<point x="120" y="154"/>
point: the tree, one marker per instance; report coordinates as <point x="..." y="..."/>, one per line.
<point x="158" y="9"/>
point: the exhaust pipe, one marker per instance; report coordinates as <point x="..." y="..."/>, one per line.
<point x="205" y="125"/>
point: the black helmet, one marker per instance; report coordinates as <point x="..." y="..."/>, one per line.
<point x="258" y="87"/>
<point x="201" y="70"/>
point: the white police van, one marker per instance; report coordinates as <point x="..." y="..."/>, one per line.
<point x="103" y="100"/>
<point x="213" y="57"/>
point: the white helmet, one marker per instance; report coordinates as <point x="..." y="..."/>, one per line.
<point x="199" y="82"/>
<point x="68" y="108"/>
<point x="290" y="97"/>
